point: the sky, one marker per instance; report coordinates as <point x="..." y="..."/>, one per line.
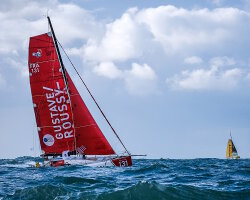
<point x="173" y="77"/>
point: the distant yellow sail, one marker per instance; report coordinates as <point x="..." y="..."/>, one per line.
<point x="231" y="150"/>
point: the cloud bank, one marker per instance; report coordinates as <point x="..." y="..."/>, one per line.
<point x="217" y="77"/>
<point x="139" y="79"/>
<point x="137" y="47"/>
<point x="175" y="31"/>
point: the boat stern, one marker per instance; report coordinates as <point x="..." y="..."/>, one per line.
<point x="124" y="161"/>
<point x="57" y="163"/>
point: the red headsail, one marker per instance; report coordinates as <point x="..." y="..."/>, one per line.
<point x="62" y="124"/>
<point x="88" y="134"/>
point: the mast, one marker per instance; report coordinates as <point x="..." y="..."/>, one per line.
<point x="63" y="72"/>
<point x="58" y="53"/>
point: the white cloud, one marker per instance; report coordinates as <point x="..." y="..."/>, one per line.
<point x="143" y="72"/>
<point x="23" y="19"/>
<point x="108" y="69"/>
<point x="18" y="64"/>
<point x="121" y="40"/>
<point x="193" y="60"/>
<point x="26" y="19"/>
<point x="138" y="80"/>
<point x="214" y="78"/>
<point x="222" y="61"/>
<point x="72" y="22"/>
<point x="176" y="30"/>
<point x="136" y="36"/>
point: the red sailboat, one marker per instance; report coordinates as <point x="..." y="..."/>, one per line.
<point x="67" y="131"/>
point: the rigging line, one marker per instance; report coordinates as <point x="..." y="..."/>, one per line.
<point x="94" y="99"/>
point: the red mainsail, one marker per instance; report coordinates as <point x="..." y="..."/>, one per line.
<point x="64" y="124"/>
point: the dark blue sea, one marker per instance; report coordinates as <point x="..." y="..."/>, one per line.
<point x="147" y="179"/>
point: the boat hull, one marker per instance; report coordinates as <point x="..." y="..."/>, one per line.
<point x="121" y="161"/>
<point x="234" y="157"/>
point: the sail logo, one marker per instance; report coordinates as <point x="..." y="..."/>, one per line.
<point x="34" y="67"/>
<point x="81" y="149"/>
<point x="37" y="54"/>
<point x="48" y="140"/>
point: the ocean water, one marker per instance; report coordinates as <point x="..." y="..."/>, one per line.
<point x="146" y="179"/>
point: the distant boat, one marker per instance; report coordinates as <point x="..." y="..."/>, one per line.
<point x="67" y="131"/>
<point x="231" y="149"/>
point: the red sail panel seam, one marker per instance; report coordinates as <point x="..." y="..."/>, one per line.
<point x="85" y="126"/>
<point x="46" y="61"/>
